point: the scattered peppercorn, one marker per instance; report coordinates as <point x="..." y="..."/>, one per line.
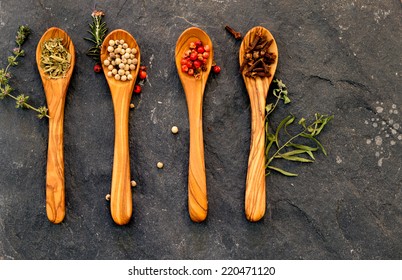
<point x="137" y="89"/>
<point x="216" y="69"/>
<point x="97" y="68"/>
<point x="133" y="183"/>
<point x="142" y="74"/>
<point x="175" y="129"/>
<point x="159" y="165"/>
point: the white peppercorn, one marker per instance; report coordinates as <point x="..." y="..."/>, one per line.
<point x="175" y="129"/>
<point x="121" y="60"/>
<point x="121" y="72"/>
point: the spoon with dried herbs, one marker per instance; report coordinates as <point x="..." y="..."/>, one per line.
<point x="193" y="67"/>
<point x="120" y="57"/>
<point x="55" y="58"/>
<point x="258" y="58"/>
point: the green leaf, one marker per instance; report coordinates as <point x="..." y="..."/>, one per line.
<point x="292" y="153"/>
<point x="269" y="145"/>
<point x="90" y="40"/>
<point x="268" y="108"/>
<point x="303" y="147"/>
<point x="302" y="122"/>
<point x="42" y="112"/>
<point x="270" y="137"/>
<point x="289" y="119"/>
<point x="12" y="61"/>
<point x="295" y="158"/>
<point x="289" y="122"/>
<point x="286" y="173"/>
<point x="321" y="120"/>
<point x="305" y="135"/>
<point x="310" y="153"/>
<point x="277" y="92"/>
<point x="285" y="98"/>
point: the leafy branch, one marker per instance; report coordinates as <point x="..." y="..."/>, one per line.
<point x="291" y="149"/>
<point x="98" y="30"/>
<point x="5" y="75"/>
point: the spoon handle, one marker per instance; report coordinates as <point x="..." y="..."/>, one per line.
<point x="255" y="197"/>
<point x="197" y="183"/>
<point x="121" y="203"/>
<point x="55" y="188"/>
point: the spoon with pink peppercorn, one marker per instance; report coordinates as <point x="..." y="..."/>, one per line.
<point x="120" y="56"/>
<point x="258" y="58"/>
<point x="193" y="57"/>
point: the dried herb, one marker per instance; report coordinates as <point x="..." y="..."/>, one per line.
<point x="98" y="30"/>
<point x="55" y="59"/>
<point x="290" y="149"/>
<point x="5" y="75"/>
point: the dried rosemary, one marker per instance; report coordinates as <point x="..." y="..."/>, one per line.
<point x="55" y="59"/>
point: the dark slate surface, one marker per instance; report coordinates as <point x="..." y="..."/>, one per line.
<point x="336" y="57"/>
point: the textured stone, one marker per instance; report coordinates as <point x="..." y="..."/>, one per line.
<point x="336" y="57"/>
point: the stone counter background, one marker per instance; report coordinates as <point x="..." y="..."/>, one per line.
<point x="336" y="57"/>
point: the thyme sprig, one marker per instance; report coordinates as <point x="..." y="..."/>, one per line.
<point x="98" y="30"/>
<point x="292" y="149"/>
<point x="5" y="75"/>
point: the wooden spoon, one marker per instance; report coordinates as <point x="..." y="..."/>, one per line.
<point x="194" y="91"/>
<point x="55" y="90"/>
<point x="121" y="201"/>
<point x="257" y="88"/>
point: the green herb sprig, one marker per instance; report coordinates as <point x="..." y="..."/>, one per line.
<point x="5" y="75"/>
<point x="98" y="30"/>
<point x="290" y="149"/>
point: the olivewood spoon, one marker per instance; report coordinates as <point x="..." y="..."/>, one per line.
<point x="121" y="201"/>
<point x="257" y="88"/>
<point x="55" y="90"/>
<point x="194" y="91"/>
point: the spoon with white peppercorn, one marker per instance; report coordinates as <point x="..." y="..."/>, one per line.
<point x="121" y="79"/>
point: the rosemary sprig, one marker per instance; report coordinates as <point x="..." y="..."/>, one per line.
<point x="290" y="149"/>
<point x="5" y="75"/>
<point x="98" y="30"/>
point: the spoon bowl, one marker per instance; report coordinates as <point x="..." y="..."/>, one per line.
<point x="55" y="91"/>
<point x="194" y="91"/>
<point x="121" y="202"/>
<point x="257" y="88"/>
